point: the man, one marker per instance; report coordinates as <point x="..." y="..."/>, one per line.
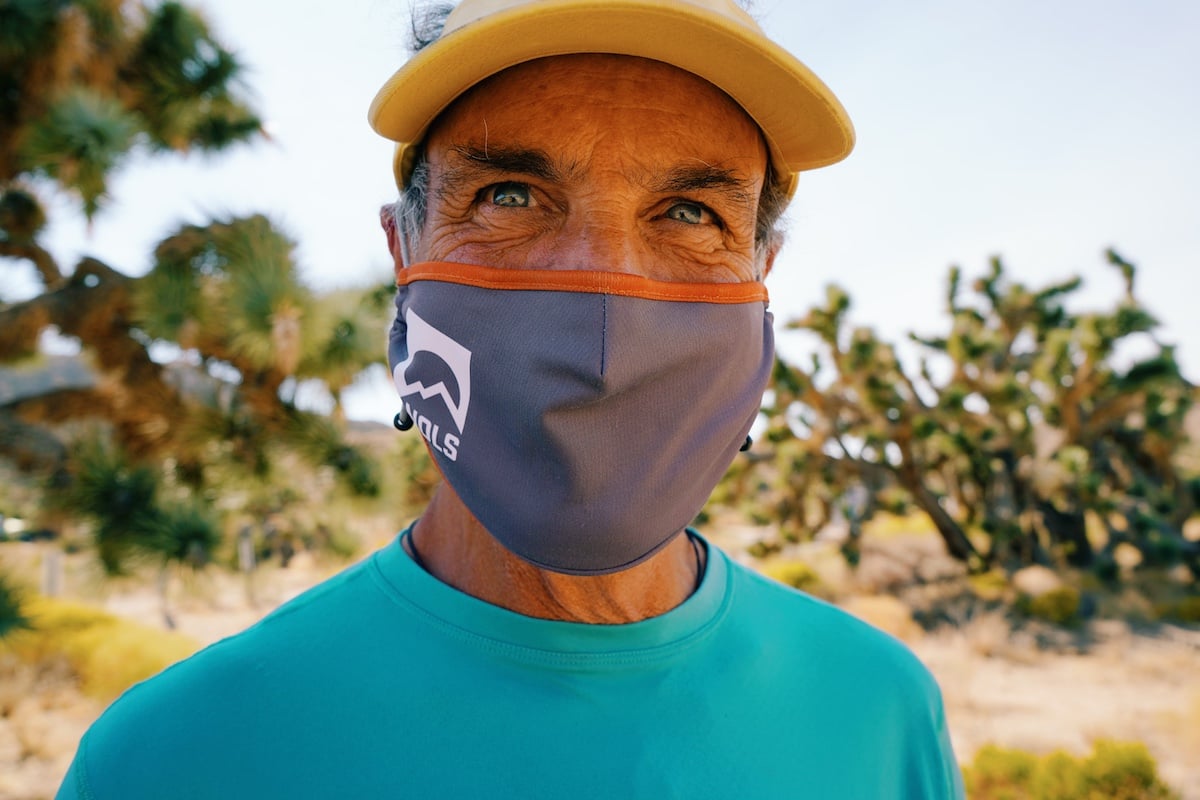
<point x="589" y="197"/>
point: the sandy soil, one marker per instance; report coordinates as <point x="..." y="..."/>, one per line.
<point x="1127" y="687"/>
<point x="1000" y="687"/>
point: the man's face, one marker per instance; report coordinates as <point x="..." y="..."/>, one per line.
<point x="596" y="162"/>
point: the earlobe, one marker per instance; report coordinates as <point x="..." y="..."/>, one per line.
<point x="773" y="245"/>
<point x="387" y="219"/>
<point x="768" y="260"/>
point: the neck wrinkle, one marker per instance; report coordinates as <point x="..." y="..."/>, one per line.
<point x="456" y="549"/>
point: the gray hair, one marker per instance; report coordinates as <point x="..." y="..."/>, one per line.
<point x="428" y="22"/>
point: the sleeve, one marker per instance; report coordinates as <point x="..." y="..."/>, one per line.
<point x="74" y="785"/>
<point x="933" y="770"/>
<point x="952" y="781"/>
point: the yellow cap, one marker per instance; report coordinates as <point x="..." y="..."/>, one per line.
<point x="804" y="125"/>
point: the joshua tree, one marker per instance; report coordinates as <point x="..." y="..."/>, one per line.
<point x="132" y="520"/>
<point x="1018" y="429"/>
<point x="12" y="616"/>
<point x="86" y="85"/>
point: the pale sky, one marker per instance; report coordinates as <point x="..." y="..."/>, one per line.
<point x="1040" y="131"/>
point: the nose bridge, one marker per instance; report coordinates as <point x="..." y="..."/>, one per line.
<point x="603" y="239"/>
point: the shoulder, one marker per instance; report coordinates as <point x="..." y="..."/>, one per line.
<point x="245" y="685"/>
<point x="809" y="629"/>
<point x="850" y="680"/>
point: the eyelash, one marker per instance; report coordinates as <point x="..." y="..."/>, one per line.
<point x="713" y="217"/>
<point x="487" y="195"/>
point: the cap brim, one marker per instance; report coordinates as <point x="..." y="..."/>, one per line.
<point x="804" y="124"/>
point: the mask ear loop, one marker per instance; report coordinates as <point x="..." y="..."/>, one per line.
<point x="402" y="421"/>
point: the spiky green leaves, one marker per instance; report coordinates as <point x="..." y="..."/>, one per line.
<point x="25" y="26"/>
<point x="119" y="497"/>
<point x="131" y="520"/>
<point x="79" y="142"/>
<point x="21" y="216"/>
<point x="186" y="84"/>
<point x="186" y="534"/>
<point x="84" y="82"/>
<point x="1023" y="418"/>
<point x="231" y="290"/>
<point x="12" y="614"/>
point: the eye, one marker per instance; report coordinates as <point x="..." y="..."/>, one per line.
<point x="509" y="195"/>
<point x="689" y="213"/>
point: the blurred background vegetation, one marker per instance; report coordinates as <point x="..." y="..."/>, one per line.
<point x="177" y="415"/>
<point x="157" y="422"/>
<point x="1026" y="434"/>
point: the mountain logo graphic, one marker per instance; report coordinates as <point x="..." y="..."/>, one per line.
<point x="436" y="366"/>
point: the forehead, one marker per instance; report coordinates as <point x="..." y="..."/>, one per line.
<point x="595" y="106"/>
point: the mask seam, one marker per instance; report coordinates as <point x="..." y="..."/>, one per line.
<point x="616" y="284"/>
<point x="603" y="333"/>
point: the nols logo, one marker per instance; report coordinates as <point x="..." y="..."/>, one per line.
<point x="439" y="367"/>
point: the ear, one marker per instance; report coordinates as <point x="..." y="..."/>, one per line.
<point x="387" y="218"/>
<point x="772" y="250"/>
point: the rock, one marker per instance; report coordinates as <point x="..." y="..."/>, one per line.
<point x="1181" y="575"/>
<point x="46" y="734"/>
<point x="1127" y="556"/>
<point x="11" y="750"/>
<point x="1036" y="581"/>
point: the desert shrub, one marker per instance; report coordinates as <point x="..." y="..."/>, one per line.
<point x="12" y="612"/>
<point x="1000" y="774"/>
<point x="1185" y="610"/>
<point x="884" y="525"/>
<point x="990" y="585"/>
<point x="1058" y="775"/>
<point x="107" y="653"/>
<point x="1060" y="606"/>
<point x="796" y="574"/>
<point x="1113" y="771"/>
<point x="1122" y="771"/>
<point x="951" y="428"/>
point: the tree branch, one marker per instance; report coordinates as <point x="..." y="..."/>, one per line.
<point x="45" y="263"/>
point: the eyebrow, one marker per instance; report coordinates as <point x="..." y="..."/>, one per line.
<point x="704" y="176"/>
<point x="539" y="164"/>
<point x="521" y="160"/>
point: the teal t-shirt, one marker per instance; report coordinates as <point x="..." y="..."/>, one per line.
<point x="385" y="682"/>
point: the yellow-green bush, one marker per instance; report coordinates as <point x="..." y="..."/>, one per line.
<point x="1186" y="610"/>
<point x="1000" y="774"/>
<point x="991" y="585"/>
<point x="1060" y="606"/>
<point x="12" y="612"/>
<point x="884" y="525"/>
<point x="1113" y="771"/>
<point x="108" y="653"/>
<point x="796" y="574"/>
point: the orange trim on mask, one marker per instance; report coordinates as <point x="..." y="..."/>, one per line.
<point x="618" y="283"/>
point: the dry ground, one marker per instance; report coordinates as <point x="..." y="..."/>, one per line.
<point x="1014" y="688"/>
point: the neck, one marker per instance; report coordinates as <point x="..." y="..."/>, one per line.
<point x="457" y="550"/>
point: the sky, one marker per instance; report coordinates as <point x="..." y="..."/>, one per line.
<point x="1040" y="132"/>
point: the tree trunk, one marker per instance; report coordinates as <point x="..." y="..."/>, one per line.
<point x="1070" y="529"/>
<point x="164" y="582"/>
<point x="957" y="543"/>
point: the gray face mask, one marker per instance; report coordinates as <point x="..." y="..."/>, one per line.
<point x="582" y="417"/>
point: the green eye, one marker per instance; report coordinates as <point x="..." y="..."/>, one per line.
<point x="511" y="195"/>
<point x="691" y="213"/>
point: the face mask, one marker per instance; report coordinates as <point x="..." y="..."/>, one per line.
<point x="582" y="417"/>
